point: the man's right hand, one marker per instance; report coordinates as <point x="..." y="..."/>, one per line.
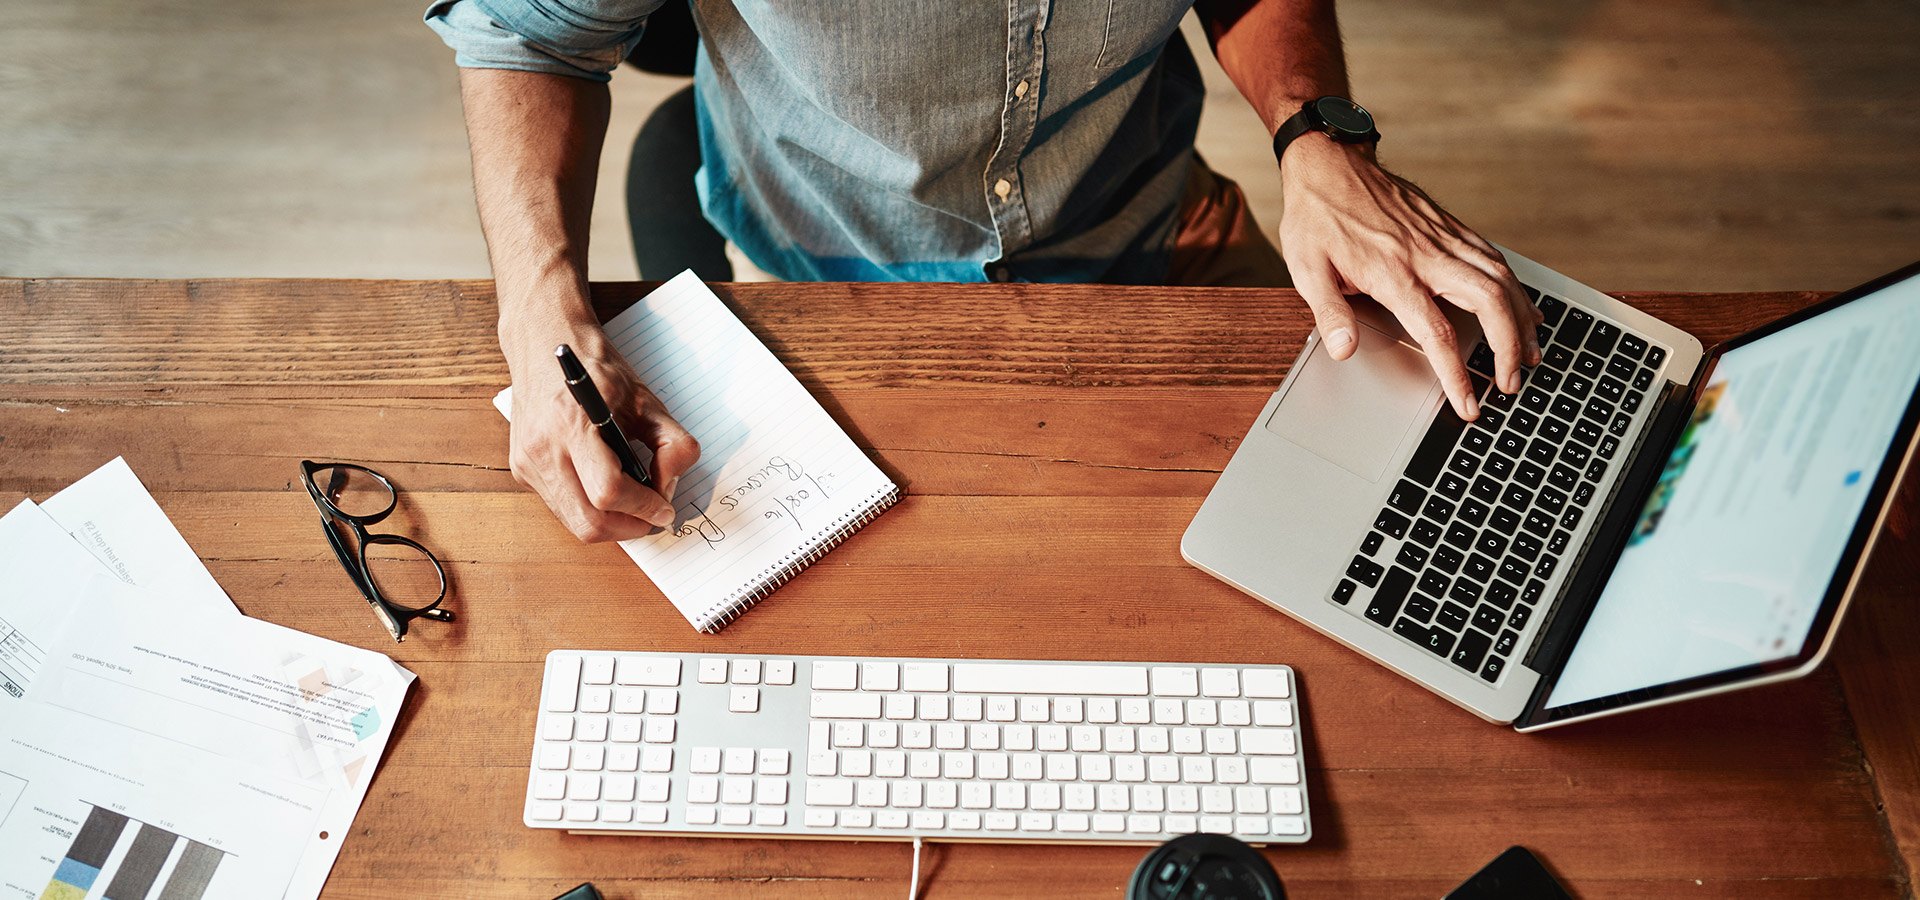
<point x="556" y="451"/>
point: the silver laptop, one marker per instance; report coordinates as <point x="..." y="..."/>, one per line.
<point x="1646" y="521"/>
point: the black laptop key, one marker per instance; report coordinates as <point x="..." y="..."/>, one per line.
<point x="1432" y="582"/>
<point x="1411" y="555"/>
<point x="1498" y="400"/>
<point x="1501" y="594"/>
<point x="1438" y="507"/>
<point x="1570" y="518"/>
<point x="1504" y="645"/>
<point x="1622" y="368"/>
<point x="1477" y="440"/>
<point x="1371" y="543"/>
<point x="1343" y="591"/>
<point x="1618" y="428"/>
<point x="1424" y="533"/>
<point x="1643" y="379"/>
<point x="1488" y="619"/>
<point x="1393" y="523"/>
<point x="1452" y="617"/>
<point x="1540" y="452"/>
<point x="1565" y="408"/>
<point x="1491" y="419"/>
<point x="1633" y="345"/>
<point x="1465" y="592"/>
<point x="1556" y="357"/>
<point x="1505" y="521"/>
<point x="1451" y="485"/>
<point x="1588" y="365"/>
<point x="1509" y="443"/>
<point x="1486" y="489"/>
<point x="1434" y="447"/>
<point x="1533" y="399"/>
<point x="1529" y="474"/>
<point x="1610" y="389"/>
<point x="1438" y="641"/>
<point x="1491" y="544"/>
<point x="1421" y="607"/>
<point x="1526" y="546"/>
<point x="1393" y="592"/>
<point x="1473" y="512"/>
<point x="1544" y="568"/>
<point x="1517" y="619"/>
<point x="1447" y="559"/>
<point x="1575" y="454"/>
<point x="1365" y="571"/>
<point x="1481" y="359"/>
<point x="1602" y="338"/>
<point x="1478" y="568"/>
<point x="1490" y="672"/>
<point x="1514" y="569"/>
<point x="1583" y="493"/>
<point x="1497" y="466"/>
<point x="1598" y="410"/>
<point x="1577" y="386"/>
<point x="1523" y="423"/>
<point x="1407" y="497"/>
<point x="1656" y="355"/>
<point x="1554" y="430"/>
<point x="1471" y="650"/>
<point x="1411" y="630"/>
<point x="1531" y="593"/>
<point x="1542" y="334"/>
<point x="1558" y="543"/>
<point x="1463" y="463"/>
<point x="1459" y="535"/>
<point x="1517" y="497"/>
<point x="1551" y="500"/>
<point x="1563" y="477"/>
<point x="1574" y="330"/>
<point x="1608" y="447"/>
<point x="1546" y="379"/>
<point x="1630" y="403"/>
<point x="1538" y="522"/>
<point x="1552" y="308"/>
<point x="1596" y="470"/>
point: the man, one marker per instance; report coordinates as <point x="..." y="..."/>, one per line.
<point x="961" y="141"/>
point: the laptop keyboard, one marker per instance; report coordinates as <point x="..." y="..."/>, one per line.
<point x="1458" y="559"/>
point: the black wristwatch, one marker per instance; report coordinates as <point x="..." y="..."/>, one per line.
<point x="1336" y="117"/>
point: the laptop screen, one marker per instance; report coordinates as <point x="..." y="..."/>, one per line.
<point x="1735" y="552"/>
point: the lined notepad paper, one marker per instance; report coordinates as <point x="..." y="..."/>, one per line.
<point x="778" y="483"/>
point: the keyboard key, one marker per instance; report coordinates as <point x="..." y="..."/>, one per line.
<point x="1412" y="556"/>
<point x="1433" y="582"/>
<point x="1490" y="673"/>
<point x="1518" y="618"/>
<point x="1497" y="466"/>
<point x="1565" y="408"/>
<point x="1504" y="645"/>
<point x="1526" y="546"/>
<point x="1553" y="430"/>
<point x="1596" y="470"/>
<point x="1478" y="567"/>
<point x="1466" y="591"/>
<point x="1603" y="337"/>
<point x="1618" y="427"/>
<point x="1030" y="678"/>
<point x="1556" y="357"/>
<point x="1531" y="593"/>
<point x="1490" y="543"/>
<point x="1269" y="684"/>
<point x="1546" y="379"/>
<point x="1573" y="331"/>
<point x="1486" y="489"/>
<point x="1488" y="619"/>
<point x="1463" y="464"/>
<point x="1562" y="477"/>
<point x="1471" y="650"/>
<point x="1598" y="410"/>
<point x="1577" y="386"/>
<point x="1459" y="535"/>
<point x="1586" y="433"/>
<point x="1504" y="520"/>
<point x="1424" y="466"/>
<point x="827" y="676"/>
<point x="1517" y="497"/>
<point x="1394" y="524"/>
<point x="1540" y="452"/>
<point x="1643" y="379"/>
<point x="1502" y="594"/>
<point x="1451" y="485"/>
<point x="1473" y="512"/>
<point x="1477" y="440"/>
<point x="1623" y="368"/>
<point x="1575" y="454"/>
<point x="1420" y="608"/>
<point x="1656" y="355"/>
<point x="1343" y="591"/>
<point x="1447" y="559"/>
<point x="1587" y="365"/>
<point x="1452" y="616"/>
<point x="1534" y="399"/>
<point x="1513" y="569"/>
<point x="1371" y="544"/>
<point x="1611" y="389"/>
<point x="1633" y="345"/>
<point x="846" y="706"/>
<point x="562" y="688"/>
<point x="1552" y="307"/>
<point x="1558" y="543"/>
<point x="1393" y="591"/>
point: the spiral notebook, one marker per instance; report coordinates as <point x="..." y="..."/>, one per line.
<point x="778" y="484"/>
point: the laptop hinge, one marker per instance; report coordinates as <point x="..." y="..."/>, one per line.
<point x="1569" y="609"/>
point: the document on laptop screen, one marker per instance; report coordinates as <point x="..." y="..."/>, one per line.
<point x="1737" y="545"/>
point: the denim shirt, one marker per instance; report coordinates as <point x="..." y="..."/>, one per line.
<point x="868" y="140"/>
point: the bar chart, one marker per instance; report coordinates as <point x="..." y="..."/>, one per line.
<point x="136" y="860"/>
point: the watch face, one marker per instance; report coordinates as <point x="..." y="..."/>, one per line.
<point x="1344" y="115"/>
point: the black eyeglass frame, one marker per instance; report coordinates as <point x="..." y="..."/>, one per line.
<point x="394" y="616"/>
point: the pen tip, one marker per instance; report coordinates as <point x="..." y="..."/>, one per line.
<point x="563" y="351"/>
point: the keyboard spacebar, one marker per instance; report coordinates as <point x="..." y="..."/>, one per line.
<point x="1032" y="678"/>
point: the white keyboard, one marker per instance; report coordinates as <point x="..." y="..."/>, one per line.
<point x="940" y="749"/>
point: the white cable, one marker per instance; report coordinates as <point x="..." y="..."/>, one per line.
<point x="913" y="888"/>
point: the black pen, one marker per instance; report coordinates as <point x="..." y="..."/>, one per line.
<point x="580" y="384"/>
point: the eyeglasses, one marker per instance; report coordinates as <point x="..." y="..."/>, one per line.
<point x="401" y="580"/>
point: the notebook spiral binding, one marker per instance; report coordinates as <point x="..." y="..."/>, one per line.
<point x="766" y="582"/>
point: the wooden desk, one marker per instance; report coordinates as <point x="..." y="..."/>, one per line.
<point x="1053" y="442"/>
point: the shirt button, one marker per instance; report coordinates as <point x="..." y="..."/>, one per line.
<point x="1020" y="90"/>
<point x="1002" y="188"/>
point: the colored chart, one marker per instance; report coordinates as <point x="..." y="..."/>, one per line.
<point x="134" y="857"/>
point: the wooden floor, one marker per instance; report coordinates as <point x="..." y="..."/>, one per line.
<point x="1635" y="144"/>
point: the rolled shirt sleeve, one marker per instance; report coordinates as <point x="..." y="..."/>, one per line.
<point x="576" y="38"/>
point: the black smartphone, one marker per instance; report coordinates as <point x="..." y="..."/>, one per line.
<point x="1513" y="875"/>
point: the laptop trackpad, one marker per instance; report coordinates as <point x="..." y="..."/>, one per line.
<point x="1356" y="413"/>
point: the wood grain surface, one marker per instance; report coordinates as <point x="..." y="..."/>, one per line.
<point x="1053" y="442"/>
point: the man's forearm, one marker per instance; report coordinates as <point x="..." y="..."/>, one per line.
<point x="536" y="152"/>
<point x="1279" y="53"/>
